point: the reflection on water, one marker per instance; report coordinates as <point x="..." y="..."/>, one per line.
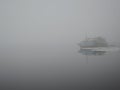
<point x="99" y="51"/>
<point x="91" y="52"/>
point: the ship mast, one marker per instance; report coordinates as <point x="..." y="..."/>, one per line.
<point x="86" y="38"/>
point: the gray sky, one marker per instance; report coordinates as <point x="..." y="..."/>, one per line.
<point x="58" y="21"/>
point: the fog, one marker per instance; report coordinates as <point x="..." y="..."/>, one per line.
<point x="39" y="44"/>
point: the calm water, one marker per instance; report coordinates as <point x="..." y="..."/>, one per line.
<point x="59" y="67"/>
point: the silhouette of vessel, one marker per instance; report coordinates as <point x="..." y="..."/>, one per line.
<point x="95" y="46"/>
<point x="93" y="42"/>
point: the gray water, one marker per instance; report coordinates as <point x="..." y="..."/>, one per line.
<point x="57" y="67"/>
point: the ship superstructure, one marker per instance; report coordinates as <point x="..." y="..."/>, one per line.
<point x="93" y="42"/>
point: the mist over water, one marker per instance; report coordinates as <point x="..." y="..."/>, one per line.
<point x="39" y="44"/>
<point x="61" y="67"/>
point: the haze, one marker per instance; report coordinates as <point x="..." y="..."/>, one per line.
<point x="38" y="44"/>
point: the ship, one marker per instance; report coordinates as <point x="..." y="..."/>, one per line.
<point x="96" y="46"/>
<point x="93" y="42"/>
